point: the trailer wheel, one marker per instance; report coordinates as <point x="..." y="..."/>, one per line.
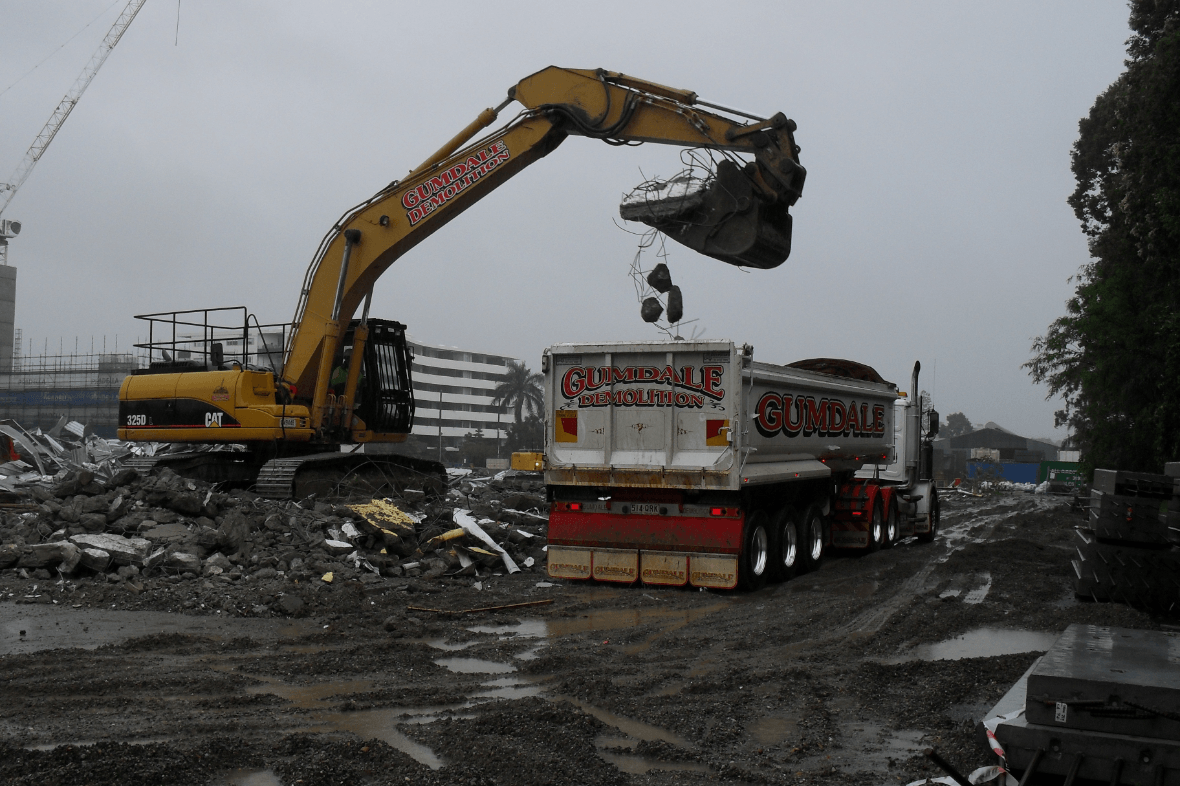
<point x="812" y="553"/>
<point x="787" y="546"/>
<point x="892" y="527"/>
<point x="876" y="529"/>
<point x="933" y="515"/>
<point x="756" y="553"/>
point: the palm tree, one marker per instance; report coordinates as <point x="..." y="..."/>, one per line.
<point x="521" y="390"/>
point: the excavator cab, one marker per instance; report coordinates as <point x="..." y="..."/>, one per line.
<point x="385" y="394"/>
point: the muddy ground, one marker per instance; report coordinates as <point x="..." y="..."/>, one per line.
<point x="836" y="677"/>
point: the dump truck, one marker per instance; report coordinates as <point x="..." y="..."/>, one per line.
<point x="690" y="463"/>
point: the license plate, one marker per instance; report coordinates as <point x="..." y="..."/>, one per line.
<point x="645" y="508"/>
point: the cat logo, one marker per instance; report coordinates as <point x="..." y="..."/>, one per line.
<point x="213" y="419"/>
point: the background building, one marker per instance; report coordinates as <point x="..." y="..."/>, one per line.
<point x="84" y="387"/>
<point x="1019" y="456"/>
<point x="453" y="393"/>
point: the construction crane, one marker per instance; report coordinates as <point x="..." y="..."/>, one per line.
<point x="9" y="229"/>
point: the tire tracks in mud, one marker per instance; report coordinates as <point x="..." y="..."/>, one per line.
<point x="975" y="527"/>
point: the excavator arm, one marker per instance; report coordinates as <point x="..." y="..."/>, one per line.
<point x="741" y="218"/>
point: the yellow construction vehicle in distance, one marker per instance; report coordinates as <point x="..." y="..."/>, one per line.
<point x="528" y="462"/>
<point x="204" y="385"/>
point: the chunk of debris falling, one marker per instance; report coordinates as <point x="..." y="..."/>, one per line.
<point x="651" y="309"/>
<point x="660" y="278"/>
<point x="675" y="305"/>
<point x="464" y="519"/>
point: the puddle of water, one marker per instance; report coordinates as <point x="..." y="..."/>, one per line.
<point x="630" y="727"/>
<point x="508" y="688"/>
<point x="444" y="645"/>
<point x="382" y="725"/>
<point x="475" y="666"/>
<point x="532" y="629"/>
<point x="769" y="730"/>
<point x="56" y="627"/>
<point x="616" y="619"/>
<point x="641" y="765"/>
<point x="510" y="692"/>
<point x="873" y="746"/>
<point x="307" y="696"/>
<point x="253" y="778"/>
<point x="979" y="593"/>
<point x="981" y="643"/>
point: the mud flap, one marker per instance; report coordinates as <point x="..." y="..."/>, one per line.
<point x="728" y="220"/>
<point x="567" y="563"/>
<point x="849" y="539"/>
<point x="662" y="567"/>
<point x="621" y="565"/>
<point x="719" y="571"/>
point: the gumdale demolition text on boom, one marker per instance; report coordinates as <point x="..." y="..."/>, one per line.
<point x="432" y="194"/>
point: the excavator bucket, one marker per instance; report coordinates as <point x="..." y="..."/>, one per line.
<point x="722" y="217"/>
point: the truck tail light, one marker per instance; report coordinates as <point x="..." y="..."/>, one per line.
<point x="575" y="506"/>
<point x="716" y="511"/>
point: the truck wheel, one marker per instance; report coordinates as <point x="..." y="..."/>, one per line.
<point x="876" y="529"/>
<point x="755" y="562"/>
<point x="812" y="551"/>
<point x="892" y="527"/>
<point x="788" y="548"/>
<point x="933" y="514"/>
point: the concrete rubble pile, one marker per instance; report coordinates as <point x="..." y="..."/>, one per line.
<point x="114" y="524"/>
<point x="66" y="446"/>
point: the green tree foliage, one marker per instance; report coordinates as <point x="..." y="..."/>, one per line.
<point x="527" y="435"/>
<point x="1114" y="358"/>
<point x="521" y="390"/>
<point x="957" y="425"/>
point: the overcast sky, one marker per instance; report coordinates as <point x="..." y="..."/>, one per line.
<point x="202" y="167"/>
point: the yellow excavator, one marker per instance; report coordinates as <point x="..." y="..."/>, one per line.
<point x="290" y="418"/>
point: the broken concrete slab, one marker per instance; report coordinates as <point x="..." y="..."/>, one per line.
<point x="94" y="559"/>
<point x="338" y="547"/>
<point x="183" y="561"/>
<point x="165" y="533"/>
<point x="123" y="550"/>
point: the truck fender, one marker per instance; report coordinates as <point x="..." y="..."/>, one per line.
<point x="925" y="490"/>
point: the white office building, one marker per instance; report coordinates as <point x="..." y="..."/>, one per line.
<point x="453" y="390"/>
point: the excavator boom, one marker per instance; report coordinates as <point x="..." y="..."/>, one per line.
<point x="739" y="215"/>
<point x="558" y="102"/>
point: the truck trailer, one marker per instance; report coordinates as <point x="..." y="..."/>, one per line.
<point x="690" y="463"/>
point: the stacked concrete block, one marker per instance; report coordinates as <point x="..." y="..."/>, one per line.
<point x="1128" y="552"/>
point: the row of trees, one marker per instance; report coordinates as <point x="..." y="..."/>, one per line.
<point x="1114" y="358"/>
<point x="521" y="392"/>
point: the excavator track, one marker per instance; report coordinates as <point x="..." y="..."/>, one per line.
<point x="335" y="474"/>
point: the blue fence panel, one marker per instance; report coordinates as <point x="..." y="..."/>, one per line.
<point x="1011" y="471"/>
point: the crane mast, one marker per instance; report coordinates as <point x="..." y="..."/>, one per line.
<point x="53" y="125"/>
